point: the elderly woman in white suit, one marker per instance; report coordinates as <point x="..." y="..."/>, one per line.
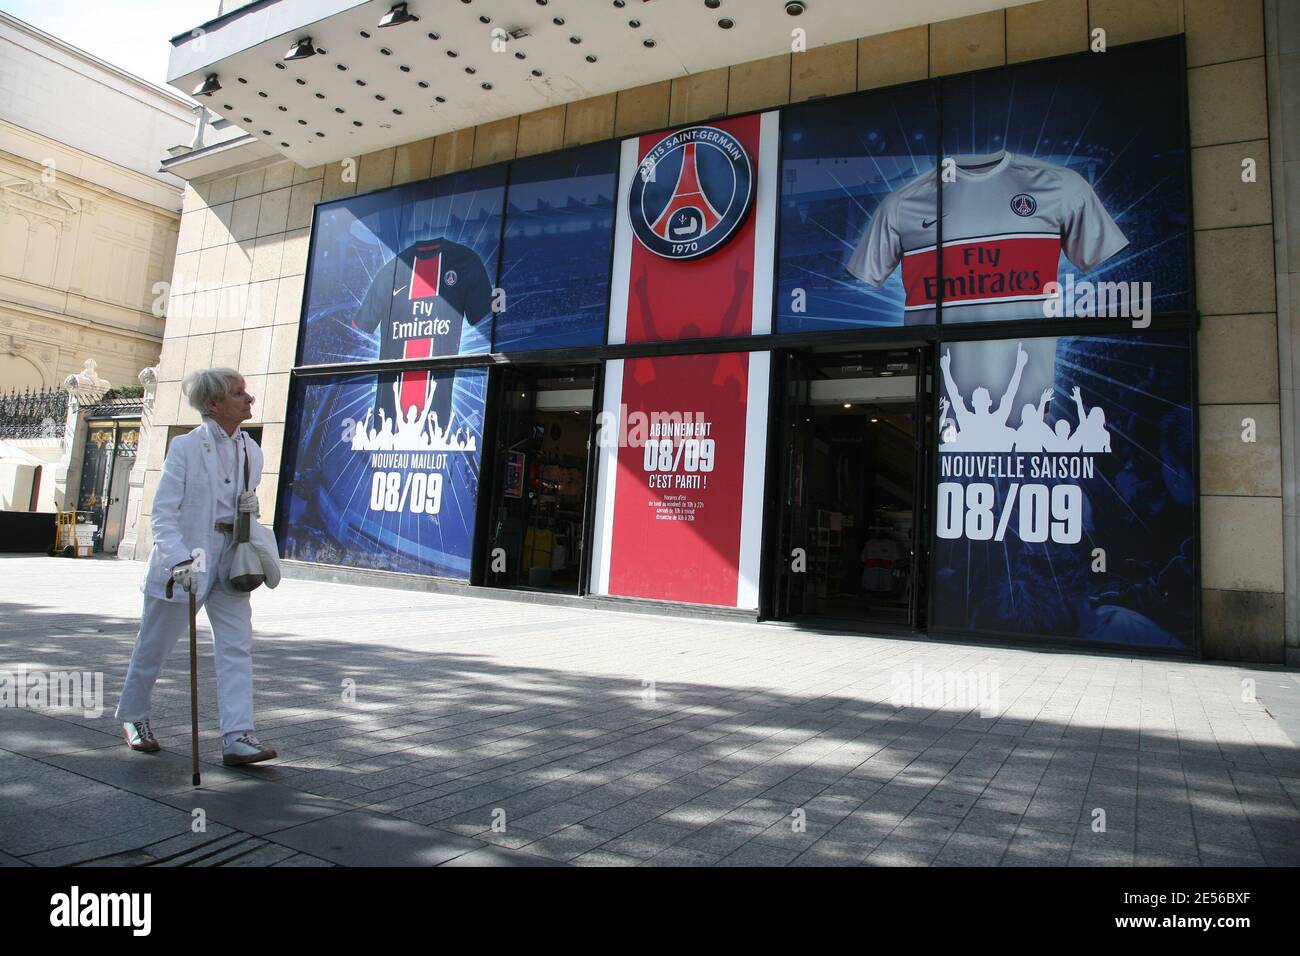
<point x="199" y="498"/>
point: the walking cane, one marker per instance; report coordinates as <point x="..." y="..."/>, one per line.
<point x="194" y="691"/>
<point x="194" y="684"/>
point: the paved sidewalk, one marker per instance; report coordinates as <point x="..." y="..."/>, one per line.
<point x="440" y="730"/>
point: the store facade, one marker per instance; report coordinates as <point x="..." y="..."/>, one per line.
<point x="914" y="358"/>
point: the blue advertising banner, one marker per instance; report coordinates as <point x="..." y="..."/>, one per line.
<point x="840" y="160"/>
<point x="1064" y="194"/>
<point x="559" y="236"/>
<point x="1065" y="491"/>
<point x="405" y="273"/>
<point x="389" y="492"/>
<point x="1071" y="171"/>
<point x="351" y="241"/>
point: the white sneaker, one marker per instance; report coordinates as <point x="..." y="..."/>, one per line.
<point x="245" y="749"/>
<point x="139" y="736"/>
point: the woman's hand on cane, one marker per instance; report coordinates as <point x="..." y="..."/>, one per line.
<point x="185" y="575"/>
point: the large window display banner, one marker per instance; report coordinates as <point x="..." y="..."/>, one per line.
<point x="406" y="273"/>
<point x="1065" y="500"/>
<point x="392" y="492"/>
<point x="842" y="160"/>
<point x="1069" y="174"/>
<point x="680" y="493"/>
<point x="1064" y="194"/>
<point x="555" y="256"/>
<point x="694" y="233"/>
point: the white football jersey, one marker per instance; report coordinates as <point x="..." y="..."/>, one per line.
<point x="1006" y="221"/>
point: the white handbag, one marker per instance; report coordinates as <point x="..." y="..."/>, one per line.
<point x="257" y="555"/>
<point x="263" y="541"/>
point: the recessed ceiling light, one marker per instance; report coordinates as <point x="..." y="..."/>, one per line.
<point x="385" y="51"/>
<point x="795" y="7"/>
<point x="647" y="43"/>
<point x="266" y="132"/>
<point x="361" y="82"/>
<point x="380" y="97"/>
<point x="340" y="66"/>
<point x="320" y="96"/>
<point x="634" y="24"/>
<point x="591" y="58"/>
<point x="470" y="70"/>
<point x="521" y="55"/>
<point x="365" y="34"/>
<point x="241" y="80"/>
<point x="435" y="36"/>
<point x="441" y="99"/>
<point x="357" y="123"/>
<point x="423" y="84"/>
<point x="397" y="112"/>
<point x="726" y="23"/>
<point x="485" y="19"/>
<point x="283" y="109"/>
<point x="279" y="66"/>
<point x="575" y="39"/>
<point x="261" y="94"/>
<point x="338" y="109"/>
<point x="302" y="122"/>
<point x="558" y="21"/>
<point x="537" y="72"/>
<point x="404" y="68"/>
<point x="486" y="86"/>
<point x="300" y="81"/>
<point x="713" y="4"/>
<point x="321" y="135"/>
<point x="452" y="53"/>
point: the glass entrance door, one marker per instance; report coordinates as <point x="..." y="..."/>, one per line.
<point x="539" y="487"/>
<point x="847" y="541"/>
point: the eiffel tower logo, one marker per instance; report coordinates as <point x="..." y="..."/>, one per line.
<point x="689" y="224"/>
<point x="688" y="214"/>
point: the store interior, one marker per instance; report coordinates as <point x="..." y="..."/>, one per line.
<point x="541" y="482"/>
<point x="850" y="489"/>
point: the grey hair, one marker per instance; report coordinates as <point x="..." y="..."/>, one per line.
<point x="206" y="385"/>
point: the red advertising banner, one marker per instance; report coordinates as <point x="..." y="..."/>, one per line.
<point x="685" y="494"/>
<point x="693" y="251"/>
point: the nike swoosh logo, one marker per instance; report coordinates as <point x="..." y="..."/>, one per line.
<point x="927" y="223"/>
<point x="399" y="291"/>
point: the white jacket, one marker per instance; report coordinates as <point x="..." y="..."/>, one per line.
<point x="184" y="508"/>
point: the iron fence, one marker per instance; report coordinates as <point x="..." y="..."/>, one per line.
<point x="33" y="414"/>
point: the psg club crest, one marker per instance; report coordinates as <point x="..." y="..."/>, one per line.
<point x="691" y="193"/>
<point x="1023" y="204"/>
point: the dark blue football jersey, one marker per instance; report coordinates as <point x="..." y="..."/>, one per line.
<point x="418" y="302"/>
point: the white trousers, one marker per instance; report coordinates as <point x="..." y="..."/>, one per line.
<point x="230" y="615"/>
